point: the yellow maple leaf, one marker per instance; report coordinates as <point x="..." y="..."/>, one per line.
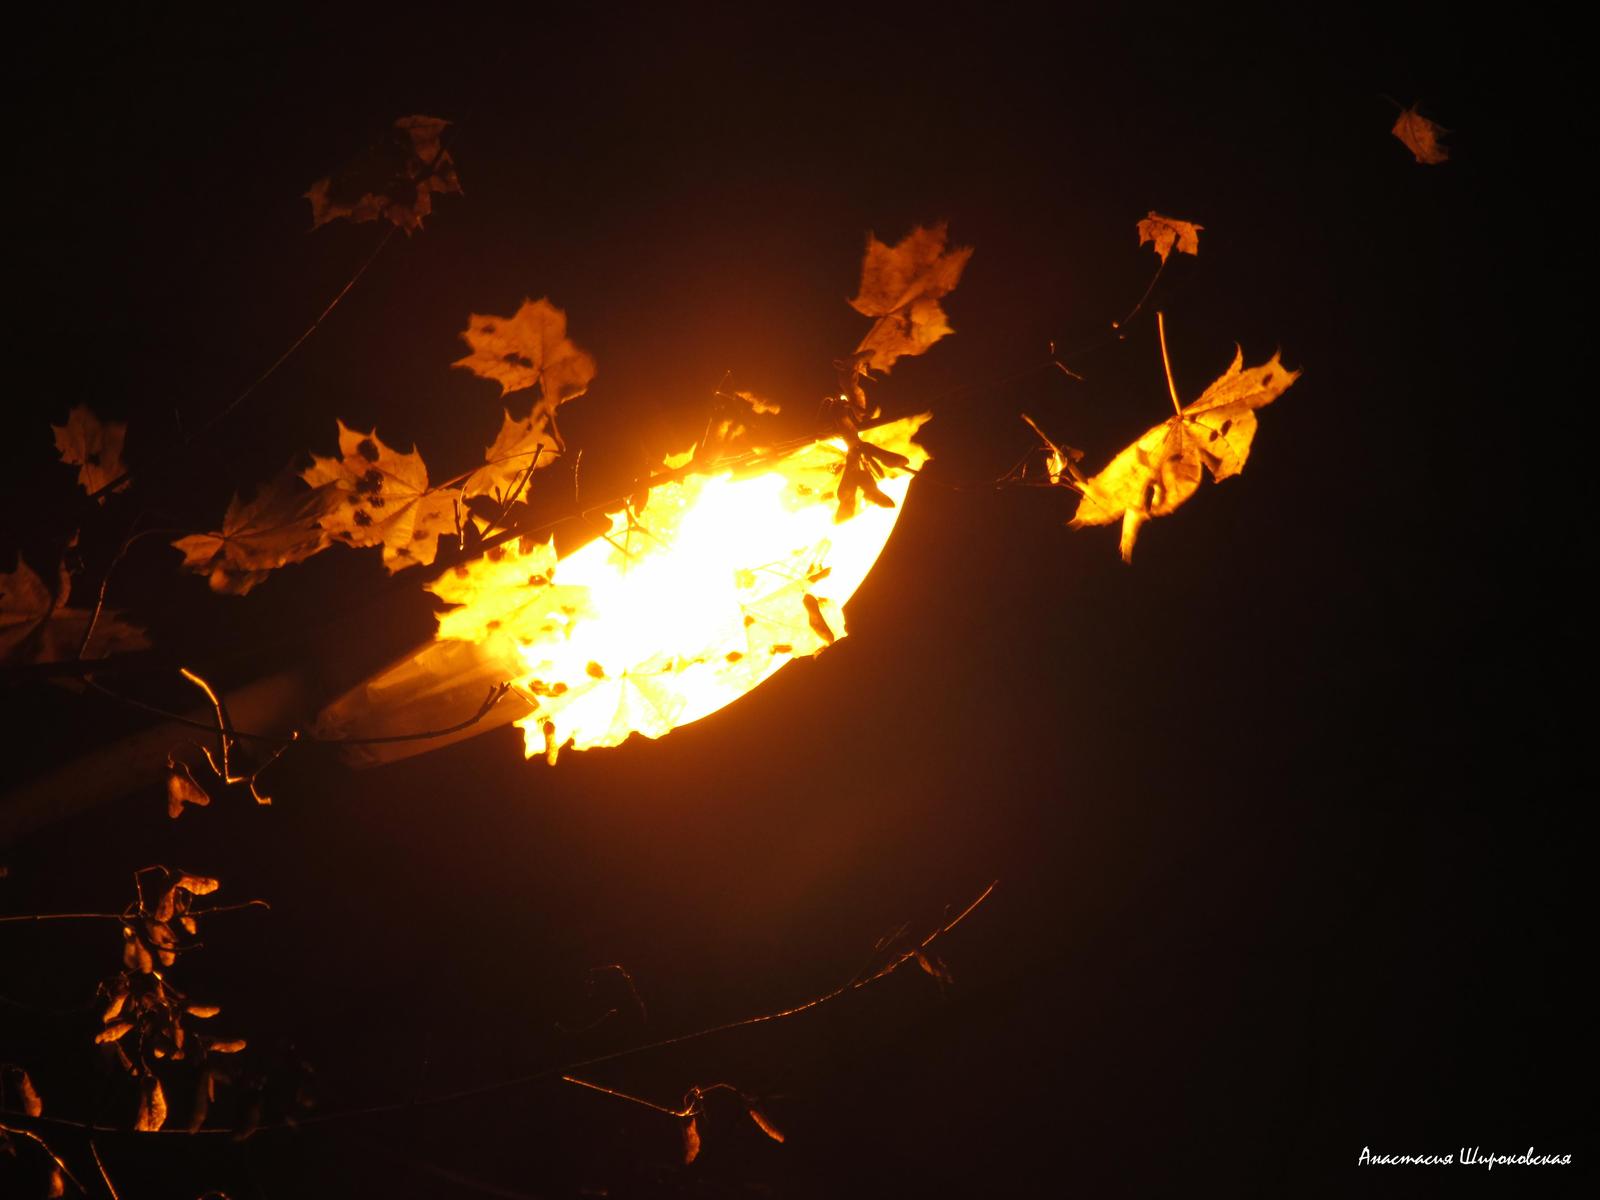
<point x="1166" y="232"/>
<point x="527" y="348"/>
<point x="1162" y="469"/>
<point x="280" y="525"/>
<point x="381" y="498"/>
<point x="519" y="449"/>
<point x="901" y="286"/>
<point x="93" y="446"/>
<point x="1420" y="136"/>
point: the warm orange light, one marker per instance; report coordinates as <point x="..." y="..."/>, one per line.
<point x="687" y="604"/>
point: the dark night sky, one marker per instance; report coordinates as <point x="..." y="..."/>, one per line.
<point x="1284" y="816"/>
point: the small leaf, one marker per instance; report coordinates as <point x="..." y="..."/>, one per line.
<point x="31" y="1104"/>
<point x="112" y="1032"/>
<point x="57" y="1185"/>
<point x="199" y="885"/>
<point x="934" y="966"/>
<point x="901" y="286"/>
<point x="1420" y="136"/>
<point x="280" y="525"/>
<point x="1166" y="232"/>
<point x="691" y="1141"/>
<point x="527" y="348"/>
<point x="182" y="788"/>
<point x="152" y="1106"/>
<point x="766" y="1126"/>
<point x="95" y="448"/>
<point x="202" y="1010"/>
<point x="381" y="498"/>
<point x="232" y="1046"/>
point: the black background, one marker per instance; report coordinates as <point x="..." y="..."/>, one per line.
<point x="1283" y="816"/>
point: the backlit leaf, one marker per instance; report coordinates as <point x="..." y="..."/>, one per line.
<point x="519" y="449"/>
<point x="901" y="286"/>
<point x="1166" y="232"/>
<point x="1157" y="473"/>
<point x="1420" y="136"/>
<point x="31" y="1104"/>
<point x="527" y="348"/>
<point x="182" y="788"/>
<point x="691" y="1141"/>
<point x="281" y="525"/>
<point x="381" y="498"/>
<point x="93" y="446"/>
<point x="152" y="1106"/>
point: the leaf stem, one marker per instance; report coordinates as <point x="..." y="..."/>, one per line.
<point x="1172" y="388"/>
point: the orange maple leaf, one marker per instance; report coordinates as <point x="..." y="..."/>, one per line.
<point x="281" y="525"/>
<point x="901" y="286"/>
<point x="1166" y="232"/>
<point x="527" y="348"/>
<point x="519" y="449"/>
<point x="1164" y="467"/>
<point x="381" y="498"/>
<point x="1420" y="136"/>
<point x="93" y="446"/>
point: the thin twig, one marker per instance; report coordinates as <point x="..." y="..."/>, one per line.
<point x="45" y="1146"/>
<point x="104" y="1174"/>
<point x="123" y="917"/>
<point x="278" y="362"/>
<point x="284" y="740"/>
<point x="566" y="1069"/>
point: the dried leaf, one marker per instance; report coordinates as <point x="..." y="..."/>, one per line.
<point x="31" y="1104"/>
<point x="901" y="286"/>
<point x="281" y="525"/>
<point x="57" y="1185"/>
<point x="231" y="1046"/>
<point x="95" y="448"/>
<point x="381" y="498"/>
<point x="396" y="179"/>
<point x="118" y="998"/>
<point x="202" y="1010"/>
<point x="112" y="1032"/>
<point x="527" y="348"/>
<point x="691" y="1141"/>
<point x="766" y="1126"/>
<point x="135" y="956"/>
<point x="37" y="626"/>
<point x="1161" y="470"/>
<point x="1166" y="232"/>
<point x="933" y="965"/>
<point x="182" y="788"/>
<point x="197" y="885"/>
<point x="152" y="1106"/>
<point x="1420" y="136"/>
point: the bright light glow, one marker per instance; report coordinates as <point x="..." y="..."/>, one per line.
<point x="685" y="605"/>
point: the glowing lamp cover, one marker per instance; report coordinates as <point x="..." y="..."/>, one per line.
<point x="685" y="605"/>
